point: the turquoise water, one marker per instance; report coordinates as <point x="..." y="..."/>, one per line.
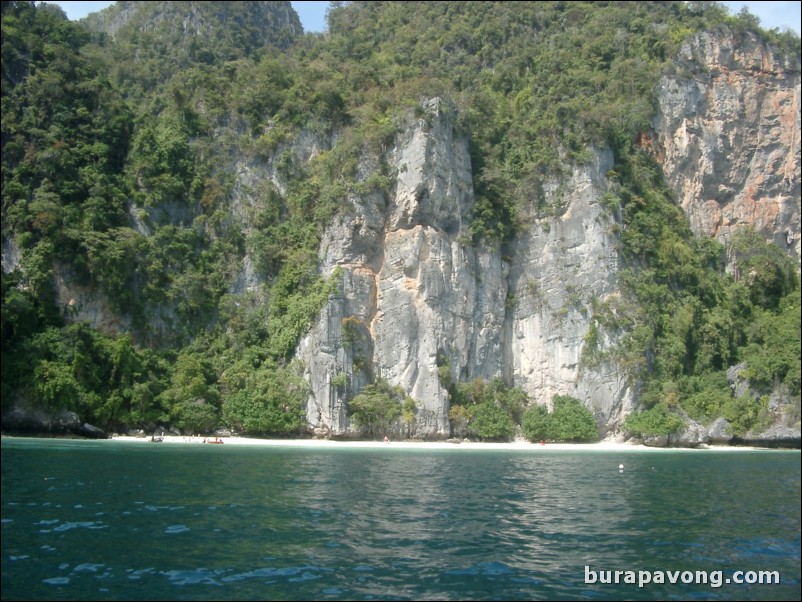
<point x="106" y="520"/>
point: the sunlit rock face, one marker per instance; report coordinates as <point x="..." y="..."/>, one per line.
<point x="415" y="294"/>
<point x="728" y="137"/>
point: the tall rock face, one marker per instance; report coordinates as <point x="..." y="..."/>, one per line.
<point x="255" y="23"/>
<point x="728" y="137"/>
<point x="416" y="297"/>
<point x="559" y="269"/>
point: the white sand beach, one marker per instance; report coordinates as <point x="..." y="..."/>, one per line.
<point x="518" y="446"/>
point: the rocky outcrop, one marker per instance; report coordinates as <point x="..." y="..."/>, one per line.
<point x="23" y="420"/>
<point x="265" y="22"/>
<point x="415" y="295"/>
<point x="727" y="134"/>
<point x="777" y="435"/>
<point x="76" y="302"/>
<point x="11" y="255"/>
<point x="409" y="289"/>
<point x="720" y="431"/>
<point x="692" y="435"/>
<point x="85" y="304"/>
<point x="782" y="409"/>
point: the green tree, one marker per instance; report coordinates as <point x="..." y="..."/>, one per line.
<point x="746" y="413"/>
<point x="512" y="400"/>
<point x="773" y="354"/>
<point x="408" y="414"/>
<point x="568" y="421"/>
<point x="271" y="400"/>
<point x="192" y="398"/>
<point x="536" y="423"/>
<point x="655" y="421"/>
<point x="703" y="397"/>
<point x="460" y="417"/>
<point x="491" y="422"/>
<point x="197" y="416"/>
<point x="376" y="408"/>
<point x="572" y="421"/>
<point x="768" y="273"/>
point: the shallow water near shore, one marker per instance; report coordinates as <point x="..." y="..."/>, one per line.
<point x="109" y="520"/>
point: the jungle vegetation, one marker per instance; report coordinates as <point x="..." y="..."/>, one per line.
<point x="116" y="174"/>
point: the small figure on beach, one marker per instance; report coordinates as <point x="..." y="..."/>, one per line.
<point x="386" y="440"/>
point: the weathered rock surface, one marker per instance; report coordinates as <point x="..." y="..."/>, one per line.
<point x="693" y="435"/>
<point x="777" y="435"/>
<point x="23" y="420"/>
<point x="720" y="431"/>
<point x="85" y="304"/>
<point x="559" y="267"/>
<point x="783" y="409"/>
<point x="409" y="289"/>
<point x="726" y="133"/>
<point x="413" y="295"/>
<point x="728" y="137"/>
<point x="266" y="20"/>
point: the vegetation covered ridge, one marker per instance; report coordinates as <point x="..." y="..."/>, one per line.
<point x="120" y="157"/>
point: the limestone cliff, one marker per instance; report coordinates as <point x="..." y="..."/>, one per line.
<point x="728" y="137"/>
<point x="726" y="132"/>
<point x="414" y="295"/>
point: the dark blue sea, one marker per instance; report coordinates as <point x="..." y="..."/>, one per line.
<point x="110" y="520"/>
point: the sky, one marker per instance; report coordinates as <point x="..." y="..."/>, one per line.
<point x="313" y="14"/>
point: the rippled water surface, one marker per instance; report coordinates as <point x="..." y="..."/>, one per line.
<point x="118" y="521"/>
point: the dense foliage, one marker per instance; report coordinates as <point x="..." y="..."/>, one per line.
<point x="377" y="407"/>
<point x="684" y="322"/>
<point x="488" y="410"/>
<point x="568" y="421"/>
<point x="117" y="175"/>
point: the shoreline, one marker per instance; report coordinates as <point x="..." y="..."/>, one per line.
<point x="519" y="445"/>
<point x="607" y="445"/>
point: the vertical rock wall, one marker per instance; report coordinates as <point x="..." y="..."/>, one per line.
<point x="560" y="266"/>
<point x="728" y="137"/>
<point x="412" y="290"/>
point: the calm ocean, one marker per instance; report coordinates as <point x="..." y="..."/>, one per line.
<point x="107" y="520"/>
